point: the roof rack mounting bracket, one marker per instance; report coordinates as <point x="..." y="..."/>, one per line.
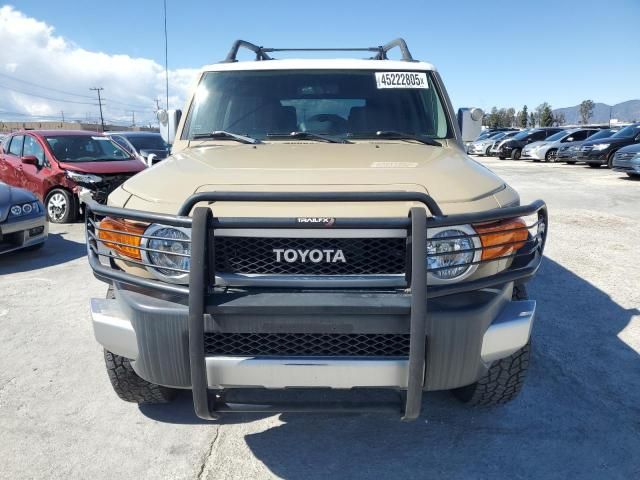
<point x="262" y="52"/>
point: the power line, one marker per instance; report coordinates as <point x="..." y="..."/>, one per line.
<point x="43" y="87"/>
<point x="45" y="97"/>
<point x="99" y="89"/>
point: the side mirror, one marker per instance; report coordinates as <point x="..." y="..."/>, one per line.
<point x="30" y="160"/>
<point x="169" y="120"/>
<point x="470" y="122"/>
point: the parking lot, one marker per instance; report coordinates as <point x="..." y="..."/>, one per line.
<point x="578" y="416"/>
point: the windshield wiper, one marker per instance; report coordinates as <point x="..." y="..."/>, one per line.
<point x="309" y="135"/>
<point x="407" y="136"/>
<point x="226" y="135"/>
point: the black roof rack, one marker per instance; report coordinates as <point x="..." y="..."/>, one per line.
<point x="262" y="53"/>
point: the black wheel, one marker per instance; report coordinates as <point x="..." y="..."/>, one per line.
<point x="501" y="158"/>
<point x="610" y="160"/>
<point x="515" y="154"/>
<point x="61" y="206"/>
<point x="594" y="165"/>
<point x="129" y="386"/>
<point x="126" y="382"/>
<point x="487" y="152"/>
<point x="551" y="156"/>
<point x="504" y="379"/>
<point x="570" y="162"/>
<point x="635" y="176"/>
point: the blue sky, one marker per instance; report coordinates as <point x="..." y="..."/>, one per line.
<point x="503" y="53"/>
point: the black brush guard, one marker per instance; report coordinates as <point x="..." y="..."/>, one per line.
<point x="525" y="262"/>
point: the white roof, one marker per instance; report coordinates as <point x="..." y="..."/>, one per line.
<point x="321" y="64"/>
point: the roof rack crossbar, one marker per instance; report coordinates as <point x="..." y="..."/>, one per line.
<point x="262" y="52"/>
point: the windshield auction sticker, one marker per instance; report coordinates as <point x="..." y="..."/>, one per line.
<point x="401" y="80"/>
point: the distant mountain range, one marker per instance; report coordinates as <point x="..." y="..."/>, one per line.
<point x="628" y="111"/>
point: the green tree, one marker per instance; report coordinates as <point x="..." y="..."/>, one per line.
<point x="558" y="119"/>
<point x="545" y="114"/>
<point x="586" y="110"/>
<point x="532" y="119"/>
<point x="523" y="117"/>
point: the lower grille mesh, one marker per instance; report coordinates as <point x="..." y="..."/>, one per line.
<point x="307" y="344"/>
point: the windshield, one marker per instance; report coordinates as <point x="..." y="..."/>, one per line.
<point x="627" y="132"/>
<point x="85" y="148"/>
<point x="353" y="103"/>
<point x="522" y="135"/>
<point x="556" y="136"/>
<point x="601" y="134"/>
<point x="147" y="142"/>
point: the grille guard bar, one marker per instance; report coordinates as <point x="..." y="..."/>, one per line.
<point x="526" y="262"/>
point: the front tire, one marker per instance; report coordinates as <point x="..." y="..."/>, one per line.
<point x="515" y="154"/>
<point x="132" y="388"/>
<point x="550" y="156"/>
<point x="127" y="384"/>
<point x="502" y="158"/>
<point x="594" y="165"/>
<point x="61" y="206"/>
<point x="635" y="176"/>
<point x="570" y="162"/>
<point x="504" y="379"/>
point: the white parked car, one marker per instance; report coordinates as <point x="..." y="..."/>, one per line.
<point x="547" y="149"/>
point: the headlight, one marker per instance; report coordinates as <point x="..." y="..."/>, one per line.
<point x="601" y="146"/>
<point x="83" y="177"/>
<point x="452" y="253"/>
<point x="24" y="209"/>
<point x="169" y="252"/>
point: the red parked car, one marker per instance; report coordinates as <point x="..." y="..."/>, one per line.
<point x="56" y="164"/>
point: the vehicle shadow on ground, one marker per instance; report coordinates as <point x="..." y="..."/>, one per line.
<point x="578" y="415"/>
<point x="57" y="250"/>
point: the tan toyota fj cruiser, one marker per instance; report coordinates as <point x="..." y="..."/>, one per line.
<point x="318" y="225"/>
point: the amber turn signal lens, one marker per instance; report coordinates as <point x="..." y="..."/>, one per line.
<point x="502" y="238"/>
<point x="122" y="236"/>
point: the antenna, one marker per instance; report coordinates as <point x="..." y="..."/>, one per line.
<point x="166" y="55"/>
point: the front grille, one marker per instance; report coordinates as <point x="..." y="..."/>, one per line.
<point x="109" y="184"/>
<point x="362" y="256"/>
<point x="307" y="344"/>
<point x="625" y="156"/>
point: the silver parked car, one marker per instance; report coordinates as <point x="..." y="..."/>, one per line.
<point x="483" y="146"/>
<point x="627" y="160"/>
<point x="23" y="220"/>
<point x="495" y="147"/>
<point x="547" y="149"/>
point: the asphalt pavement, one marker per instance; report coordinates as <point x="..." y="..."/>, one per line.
<point x="578" y="416"/>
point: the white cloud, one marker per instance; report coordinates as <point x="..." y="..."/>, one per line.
<point x="33" y="53"/>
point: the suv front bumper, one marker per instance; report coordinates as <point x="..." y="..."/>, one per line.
<point x="469" y="332"/>
<point x="453" y="330"/>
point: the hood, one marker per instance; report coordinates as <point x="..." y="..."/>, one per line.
<point x="635" y="148"/>
<point x="445" y="173"/>
<point x="10" y="196"/>
<point x="117" y="166"/>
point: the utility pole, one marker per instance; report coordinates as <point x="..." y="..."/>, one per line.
<point x="62" y="112"/>
<point x="99" y="89"/>
<point x="157" y="104"/>
<point x="166" y="55"/>
<point x="133" y="118"/>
